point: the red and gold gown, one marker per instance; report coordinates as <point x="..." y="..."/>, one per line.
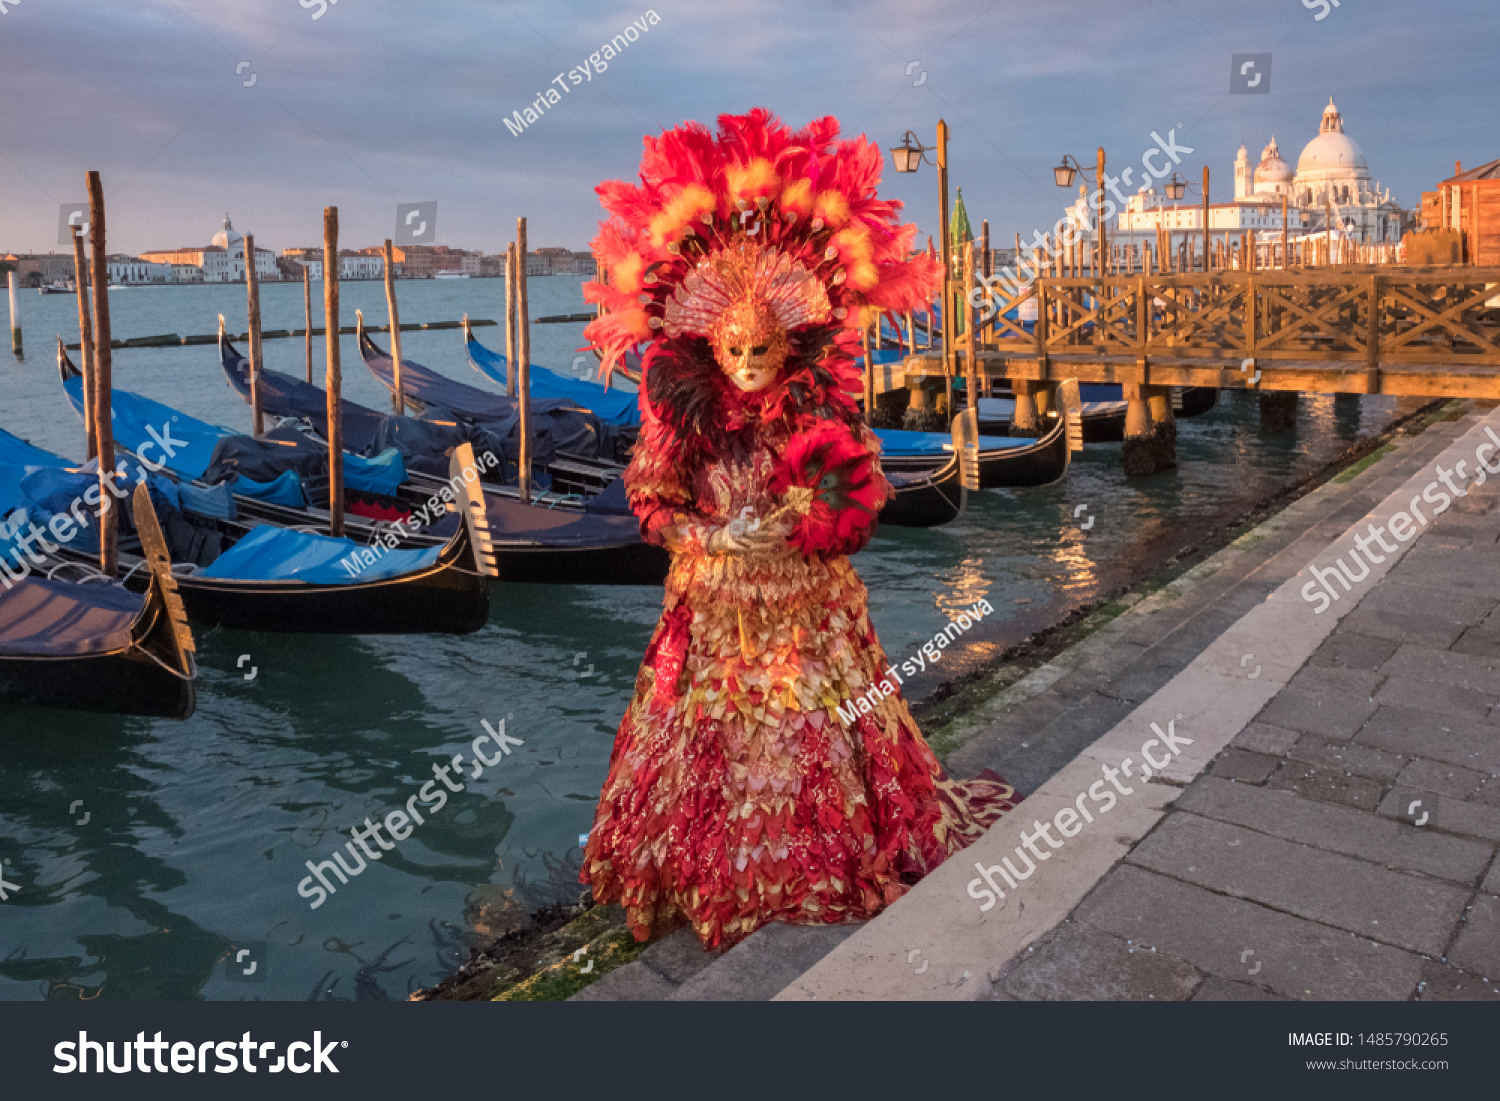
<point x="736" y="795"/>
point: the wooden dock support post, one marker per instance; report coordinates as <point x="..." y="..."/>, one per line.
<point x="15" y="320"/>
<point x="1278" y="410"/>
<point x="307" y="325"/>
<point x="1138" y="453"/>
<point x="335" y="379"/>
<point x="393" y="314"/>
<point x="104" y="432"/>
<point x="85" y="344"/>
<point x="1163" y="425"/>
<point x="252" y="310"/>
<point x="1025" y="420"/>
<point x="523" y="367"/>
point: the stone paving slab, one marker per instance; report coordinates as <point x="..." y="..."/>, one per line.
<point x="1394" y="908"/>
<point x="1449" y="815"/>
<point x="1081" y="961"/>
<point x="1353" y="758"/>
<point x="1299" y="959"/>
<point x="1441" y="983"/>
<point x="763" y="964"/>
<point x="1391" y="844"/>
<point x="1478" y="947"/>
<point x="1437" y="737"/>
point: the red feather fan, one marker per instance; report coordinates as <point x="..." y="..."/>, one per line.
<point x="847" y="488"/>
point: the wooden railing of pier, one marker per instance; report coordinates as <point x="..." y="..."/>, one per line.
<point x="1432" y="332"/>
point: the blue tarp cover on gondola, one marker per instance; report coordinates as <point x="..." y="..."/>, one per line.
<point x="619" y="407"/>
<point x="184" y="443"/>
<point x="188" y="446"/>
<point x="895" y="442"/>
<point x="285" y="490"/>
<point x="17" y="452"/>
<point x="279" y="554"/>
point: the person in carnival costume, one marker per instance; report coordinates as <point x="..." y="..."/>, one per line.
<point x="748" y="262"/>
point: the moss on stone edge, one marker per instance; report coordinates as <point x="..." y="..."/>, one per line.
<point x="567" y="977"/>
<point x="1364" y="464"/>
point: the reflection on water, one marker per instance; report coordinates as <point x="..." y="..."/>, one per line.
<point x="198" y="833"/>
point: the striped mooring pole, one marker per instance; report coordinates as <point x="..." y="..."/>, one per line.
<point x="15" y="318"/>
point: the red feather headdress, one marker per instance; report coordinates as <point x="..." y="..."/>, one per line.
<point x="756" y="185"/>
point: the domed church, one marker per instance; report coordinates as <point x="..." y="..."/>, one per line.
<point x="1332" y="176"/>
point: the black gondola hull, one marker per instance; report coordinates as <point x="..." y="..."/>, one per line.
<point x="1036" y="464"/>
<point x="123" y="683"/>
<point x="450" y="597"/>
<point x="926" y="502"/>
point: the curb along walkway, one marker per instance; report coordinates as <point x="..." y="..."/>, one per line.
<point x="1292" y="836"/>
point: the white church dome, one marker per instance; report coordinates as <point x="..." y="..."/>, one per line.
<point x="1272" y="169"/>
<point x="1331" y="150"/>
<point x="228" y="237"/>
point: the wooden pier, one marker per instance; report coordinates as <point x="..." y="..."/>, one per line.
<point x="1427" y="332"/>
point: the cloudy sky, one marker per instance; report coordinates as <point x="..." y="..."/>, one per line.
<point x="376" y="102"/>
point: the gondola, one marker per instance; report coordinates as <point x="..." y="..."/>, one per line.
<point x="277" y="577"/>
<point x="1003" y="461"/>
<point x="72" y="639"/>
<point x="550" y="541"/>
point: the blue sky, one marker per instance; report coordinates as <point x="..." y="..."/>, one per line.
<point x="381" y="101"/>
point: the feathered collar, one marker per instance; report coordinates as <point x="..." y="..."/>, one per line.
<point x="697" y="413"/>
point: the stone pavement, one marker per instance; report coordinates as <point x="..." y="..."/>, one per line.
<point x="1327" y="828"/>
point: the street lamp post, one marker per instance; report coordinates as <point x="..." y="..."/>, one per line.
<point x="910" y="155"/>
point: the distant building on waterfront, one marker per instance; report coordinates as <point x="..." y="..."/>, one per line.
<point x="222" y="260"/>
<point x="368" y="263"/>
<point x="34" y="269"/>
<point x="1468" y="204"/>
<point x="1331" y="188"/>
<point x="559" y="261"/>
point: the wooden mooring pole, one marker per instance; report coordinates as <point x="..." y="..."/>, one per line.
<point x="510" y="319"/>
<point x="393" y="315"/>
<point x="252" y="296"/>
<point x="869" y="378"/>
<point x="104" y="433"/>
<point x="523" y="369"/>
<point x="1206" y="265"/>
<point x="335" y="381"/>
<point x="307" y="325"/>
<point x="85" y="344"/>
